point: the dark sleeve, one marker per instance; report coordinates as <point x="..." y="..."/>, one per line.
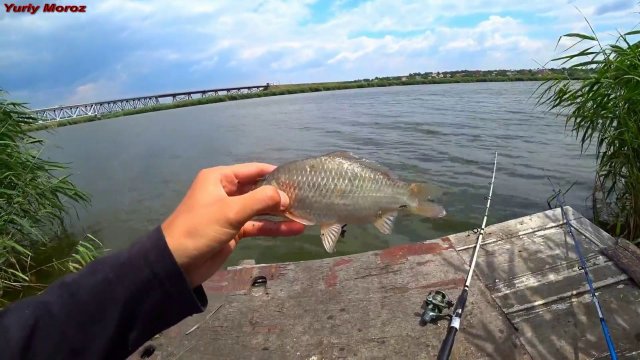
<point x="105" y="311"/>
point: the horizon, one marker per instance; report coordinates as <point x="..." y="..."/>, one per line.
<point x="120" y="49"/>
<point x="295" y="84"/>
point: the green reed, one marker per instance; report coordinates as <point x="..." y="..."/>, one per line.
<point x="604" y="110"/>
<point x="35" y="197"/>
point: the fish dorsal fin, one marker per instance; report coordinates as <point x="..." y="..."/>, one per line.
<point x="329" y="235"/>
<point x="343" y="155"/>
<point x="385" y="222"/>
<point x="364" y="162"/>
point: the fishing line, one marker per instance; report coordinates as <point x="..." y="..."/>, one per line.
<point x="454" y="325"/>
<point x="559" y="197"/>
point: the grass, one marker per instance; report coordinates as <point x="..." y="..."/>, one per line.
<point x="604" y="111"/>
<point x="35" y="197"/>
<point x="276" y="90"/>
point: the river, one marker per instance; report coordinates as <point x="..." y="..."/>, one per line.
<point x="137" y="168"/>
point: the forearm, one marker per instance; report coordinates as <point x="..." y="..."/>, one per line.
<point x="107" y="310"/>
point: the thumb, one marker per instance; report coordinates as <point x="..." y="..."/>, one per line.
<point x="261" y="200"/>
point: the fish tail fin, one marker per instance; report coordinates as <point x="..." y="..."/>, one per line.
<point x="424" y="207"/>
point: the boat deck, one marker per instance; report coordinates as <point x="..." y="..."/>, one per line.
<point x="528" y="300"/>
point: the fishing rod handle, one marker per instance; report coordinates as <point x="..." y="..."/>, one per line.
<point x="447" y="344"/>
<point x="450" y="338"/>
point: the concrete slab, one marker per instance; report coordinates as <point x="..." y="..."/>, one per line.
<point x="528" y="300"/>
<point x="363" y="306"/>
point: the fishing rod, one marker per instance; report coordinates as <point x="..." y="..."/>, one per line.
<point x="559" y="197"/>
<point x="454" y="325"/>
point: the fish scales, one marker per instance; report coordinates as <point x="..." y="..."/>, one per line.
<point x="339" y="188"/>
<point x="329" y="192"/>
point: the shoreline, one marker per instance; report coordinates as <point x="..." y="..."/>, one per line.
<point x="279" y="90"/>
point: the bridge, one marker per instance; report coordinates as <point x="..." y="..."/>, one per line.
<point x="104" y="107"/>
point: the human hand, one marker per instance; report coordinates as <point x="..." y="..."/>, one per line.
<point x="216" y="213"/>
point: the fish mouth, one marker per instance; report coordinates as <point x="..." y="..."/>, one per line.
<point x="439" y="210"/>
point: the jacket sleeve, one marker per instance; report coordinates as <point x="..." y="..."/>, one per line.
<point x="105" y="311"/>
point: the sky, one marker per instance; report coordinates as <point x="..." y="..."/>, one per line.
<point x="125" y="48"/>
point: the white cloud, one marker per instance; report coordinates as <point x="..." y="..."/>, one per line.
<point x="344" y="38"/>
<point x="95" y="91"/>
<point x="304" y="56"/>
<point x="460" y="43"/>
<point x="277" y="39"/>
<point x="124" y="7"/>
<point x="495" y="36"/>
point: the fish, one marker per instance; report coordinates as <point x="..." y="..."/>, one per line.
<point x="340" y="188"/>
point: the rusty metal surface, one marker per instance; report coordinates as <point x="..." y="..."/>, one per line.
<point x="359" y="306"/>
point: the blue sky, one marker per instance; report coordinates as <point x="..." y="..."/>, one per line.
<point x="122" y="48"/>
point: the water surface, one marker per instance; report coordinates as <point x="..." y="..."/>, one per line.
<point x="137" y="168"/>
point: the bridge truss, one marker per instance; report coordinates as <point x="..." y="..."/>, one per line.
<point x="104" y="107"/>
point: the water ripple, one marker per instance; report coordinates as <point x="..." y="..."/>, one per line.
<point x="443" y="134"/>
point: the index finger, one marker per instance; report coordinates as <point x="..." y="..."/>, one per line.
<point x="250" y="172"/>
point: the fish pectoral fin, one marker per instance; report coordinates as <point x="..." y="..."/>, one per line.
<point x="329" y="234"/>
<point x="384" y="223"/>
<point x="298" y="218"/>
